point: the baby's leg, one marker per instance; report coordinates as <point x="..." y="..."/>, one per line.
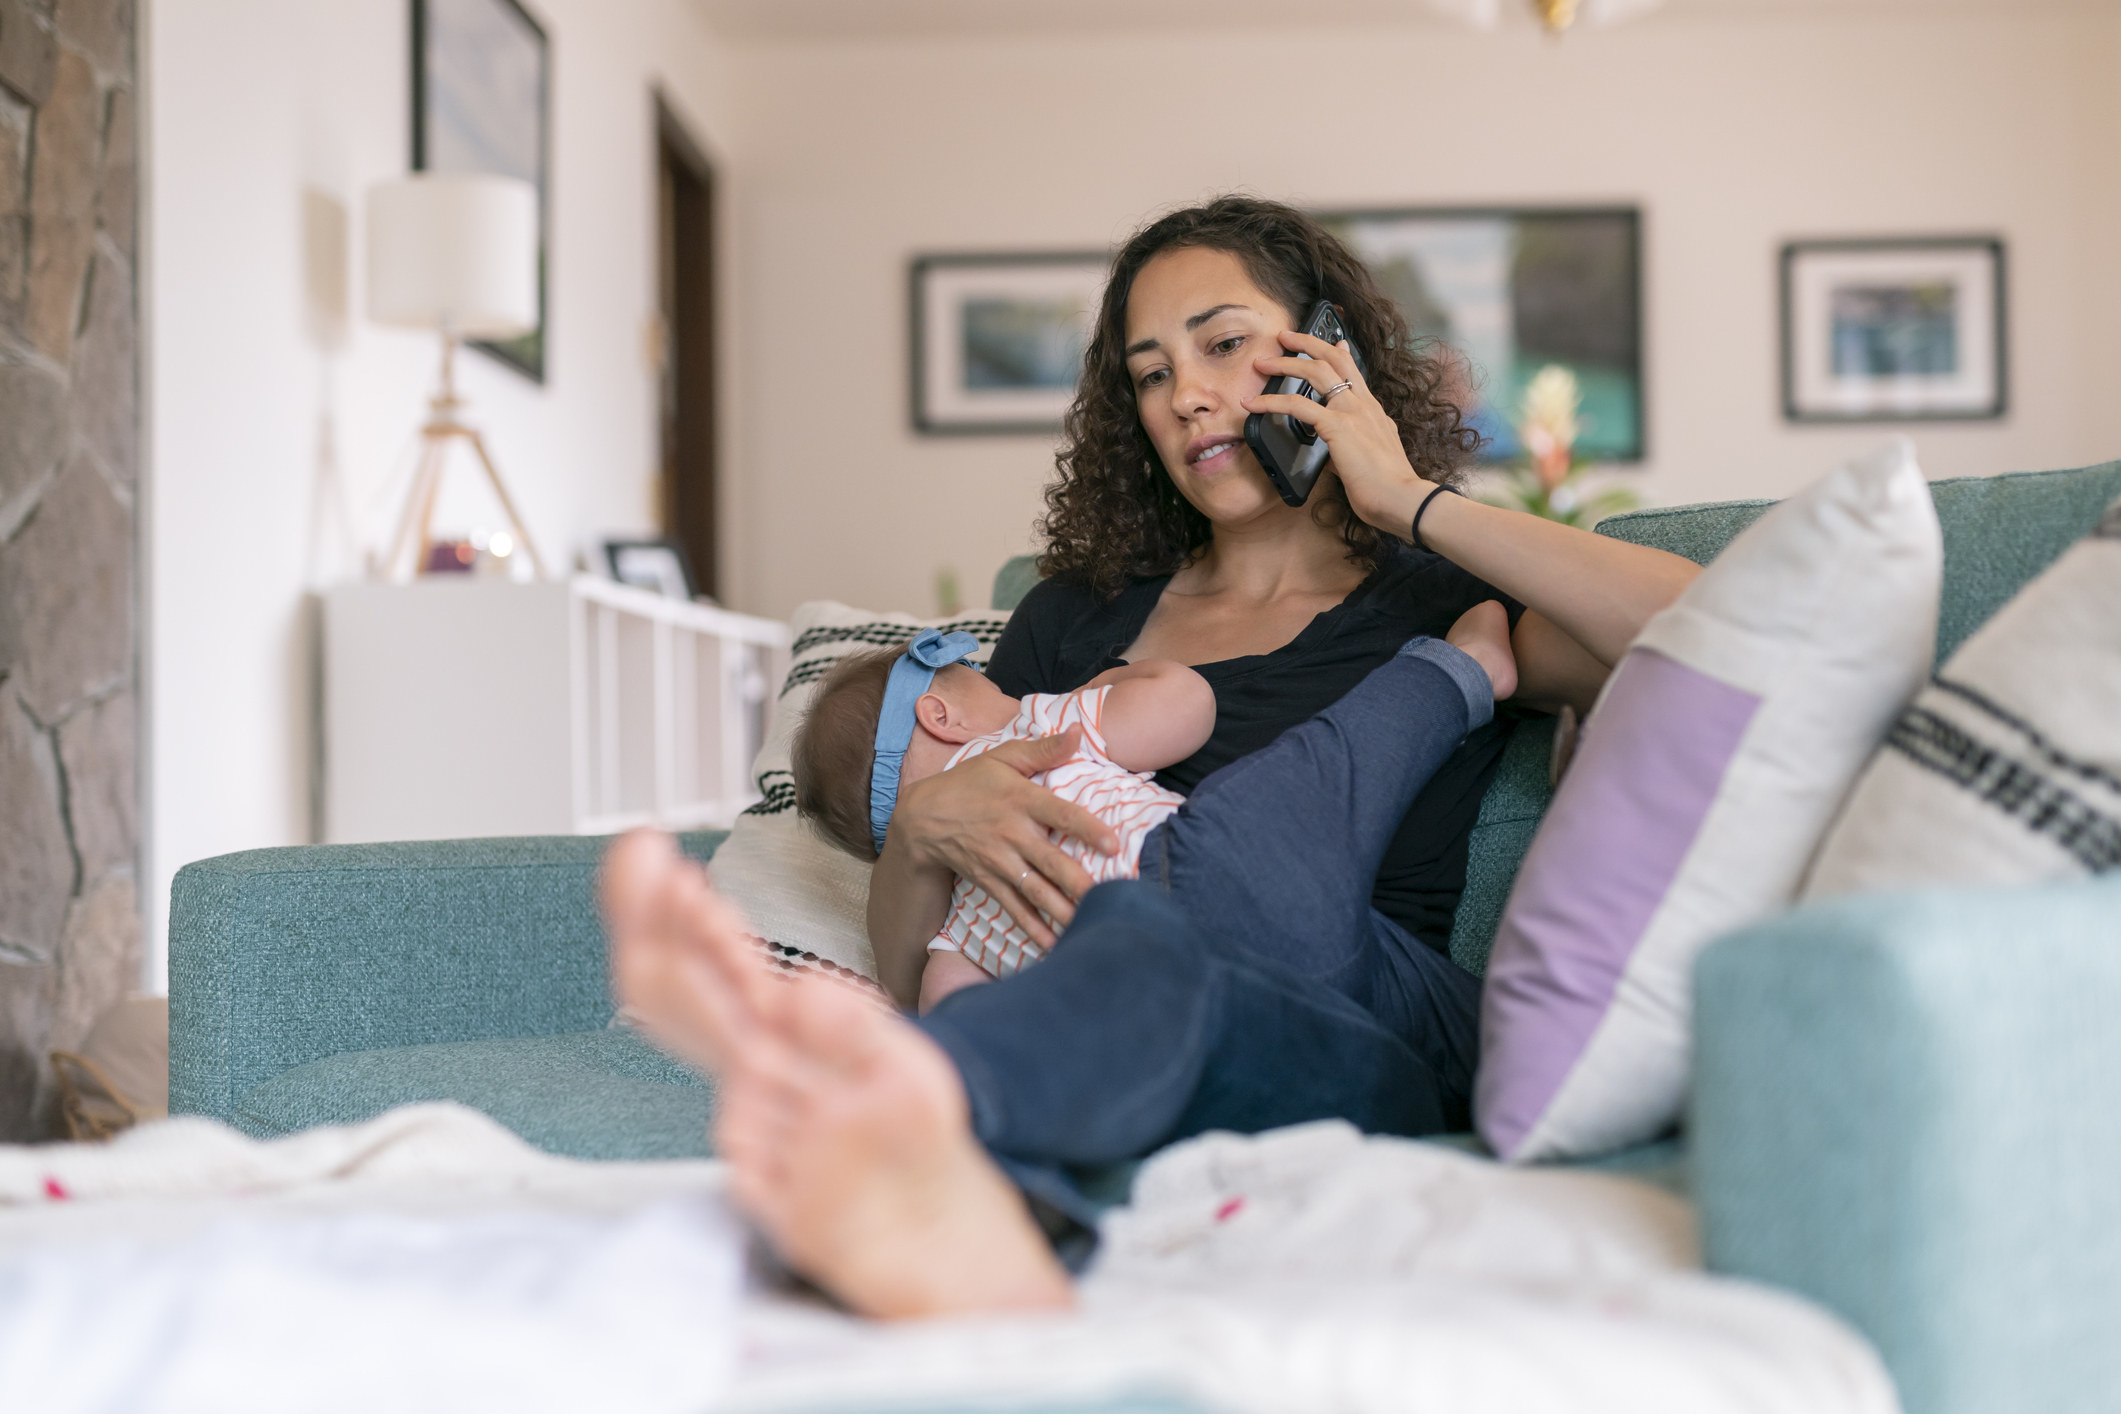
<point x="1281" y="849"/>
<point x="947" y="972"/>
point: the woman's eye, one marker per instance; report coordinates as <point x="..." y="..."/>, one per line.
<point x="1154" y="376"/>
<point x="1227" y="346"/>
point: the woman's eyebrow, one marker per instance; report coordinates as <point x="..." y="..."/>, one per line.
<point x="1192" y="323"/>
<point x="1207" y="314"/>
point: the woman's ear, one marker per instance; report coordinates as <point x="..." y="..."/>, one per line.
<point x="937" y="718"/>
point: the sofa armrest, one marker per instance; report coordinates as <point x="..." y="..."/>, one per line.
<point x="279" y="957"/>
<point x="1908" y="1108"/>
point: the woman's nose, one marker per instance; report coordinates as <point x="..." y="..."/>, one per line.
<point x="1192" y="392"/>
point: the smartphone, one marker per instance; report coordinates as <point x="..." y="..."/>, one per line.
<point x="1288" y="450"/>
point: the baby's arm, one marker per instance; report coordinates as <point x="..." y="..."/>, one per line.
<point x="1157" y="714"/>
<point x="948" y="972"/>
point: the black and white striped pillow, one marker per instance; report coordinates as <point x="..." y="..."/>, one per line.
<point x="806" y="899"/>
<point x="2006" y="769"/>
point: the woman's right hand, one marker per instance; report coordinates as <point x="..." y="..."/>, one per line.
<point x="987" y="821"/>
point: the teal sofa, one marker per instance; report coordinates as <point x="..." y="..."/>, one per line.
<point x="1904" y="1106"/>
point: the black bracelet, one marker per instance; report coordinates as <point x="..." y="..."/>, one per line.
<point x="1423" y="509"/>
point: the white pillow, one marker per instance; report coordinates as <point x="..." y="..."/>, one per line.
<point x="806" y="898"/>
<point x="1713" y="762"/>
<point x="2007" y="768"/>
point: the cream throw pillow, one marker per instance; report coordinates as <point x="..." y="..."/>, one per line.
<point x="2006" y="769"/>
<point x="807" y="899"/>
<point x="1706" y="774"/>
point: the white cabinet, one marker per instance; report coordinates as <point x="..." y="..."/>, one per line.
<point x="459" y="706"/>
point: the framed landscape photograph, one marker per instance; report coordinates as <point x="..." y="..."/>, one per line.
<point x="1514" y="290"/>
<point x="998" y="339"/>
<point x="1893" y="330"/>
<point x="481" y="87"/>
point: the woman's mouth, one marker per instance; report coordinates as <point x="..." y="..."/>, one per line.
<point x="1215" y="455"/>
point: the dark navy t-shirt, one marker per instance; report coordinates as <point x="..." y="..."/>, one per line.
<point x="1061" y="636"/>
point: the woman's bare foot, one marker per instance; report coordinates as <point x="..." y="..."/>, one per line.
<point x="1482" y="633"/>
<point x="845" y="1129"/>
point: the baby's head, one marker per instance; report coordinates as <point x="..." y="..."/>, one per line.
<point x="839" y="785"/>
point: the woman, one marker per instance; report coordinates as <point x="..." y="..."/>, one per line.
<point x="1165" y="540"/>
<point x="879" y="1153"/>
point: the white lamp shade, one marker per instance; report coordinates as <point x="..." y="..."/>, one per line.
<point x="455" y="251"/>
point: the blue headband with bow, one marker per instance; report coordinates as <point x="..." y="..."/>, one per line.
<point x="929" y="653"/>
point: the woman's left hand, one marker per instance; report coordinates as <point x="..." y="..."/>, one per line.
<point x="1382" y="485"/>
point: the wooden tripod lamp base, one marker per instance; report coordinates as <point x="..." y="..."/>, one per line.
<point x="412" y="544"/>
<point x="458" y="253"/>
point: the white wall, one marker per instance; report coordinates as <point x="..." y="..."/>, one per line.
<point x="252" y="104"/>
<point x="1732" y="134"/>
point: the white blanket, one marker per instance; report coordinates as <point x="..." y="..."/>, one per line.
<point x="429" y="1259"/>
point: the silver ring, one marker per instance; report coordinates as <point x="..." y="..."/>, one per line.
<point x="1341" y="387"/>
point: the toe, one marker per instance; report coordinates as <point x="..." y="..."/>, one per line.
<point x="633" y="871"/>
<point x="714" y="932"/>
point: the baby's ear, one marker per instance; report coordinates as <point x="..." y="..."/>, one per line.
<point x="936" y="718"/>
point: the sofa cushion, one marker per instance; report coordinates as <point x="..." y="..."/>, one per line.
<point x="1509" y="816"/>
<point x="1999" y="531"/>
<point x="591" y="1094"/>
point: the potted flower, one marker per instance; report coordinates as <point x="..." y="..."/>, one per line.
<point x="1549" y="480"/>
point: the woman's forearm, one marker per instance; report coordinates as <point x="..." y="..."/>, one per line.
<point x="1598" y="590"/>
<point x="907" y="906"/>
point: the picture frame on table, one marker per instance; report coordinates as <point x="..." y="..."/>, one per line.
<point x="482" y="102"/>
<point x="998" y="339"/>
<point x="659" y="566"/>
<point x="1512" y="291"/>
<point x="1909" y="329"/>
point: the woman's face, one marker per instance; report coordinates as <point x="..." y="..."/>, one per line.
<point x="1195" y="323"/>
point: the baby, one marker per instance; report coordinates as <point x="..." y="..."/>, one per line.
<point x="885" y="719"/>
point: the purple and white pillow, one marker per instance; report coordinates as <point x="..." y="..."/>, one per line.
<point x="1715" y="759"/>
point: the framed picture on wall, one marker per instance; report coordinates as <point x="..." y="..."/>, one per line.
<point x="1514" y="290"/>
<point x="998" y="339"/>
<point x="1893" y="330"/>
<point x="481" y="102"/>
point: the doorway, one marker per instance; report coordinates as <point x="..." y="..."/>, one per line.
<point x="686" y="251"/>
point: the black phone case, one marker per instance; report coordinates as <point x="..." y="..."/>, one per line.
<point x="1289" y="452"/>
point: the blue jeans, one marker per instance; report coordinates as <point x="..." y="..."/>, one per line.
<point x="1244" y="981"/>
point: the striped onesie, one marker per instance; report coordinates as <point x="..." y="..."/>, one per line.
<point x="1129" y="801"/>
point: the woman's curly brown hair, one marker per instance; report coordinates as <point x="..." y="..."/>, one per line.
<point x="1113" y="515"/>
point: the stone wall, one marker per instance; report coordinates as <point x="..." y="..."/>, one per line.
<point x="69" y="460"/>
